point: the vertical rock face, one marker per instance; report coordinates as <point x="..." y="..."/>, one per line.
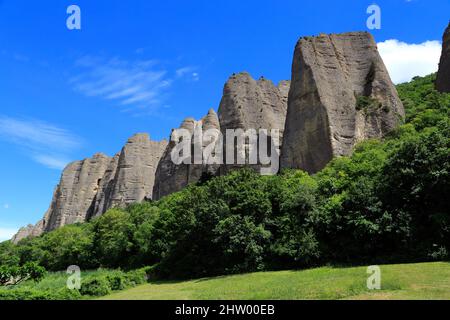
<point x="246" y="104"/>
<point x="135" y="173"/>
<point x="29" y="231"/>
<point x="443" y="76"/>
<point x="250" y="104"/>
<point x="76" y="192"/>
<point x="106" y="188"/>
<point x="171" y="177"/>
<point x="89" y="187"/>
<point x="341" y="93"/>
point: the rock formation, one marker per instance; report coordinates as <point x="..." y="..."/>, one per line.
<point x="171" y="177"/>
<point x="443" y="76"/>
<point x="340" y="94"/>
<point x="74" y="197"/>
<point x="106" y="188"/>
<point x="89" y="187"/>
<point x="246" y="104"/>
<point x="249" y="104"/>
<point x="29" y="231"/>
<point x="135" y="173"/>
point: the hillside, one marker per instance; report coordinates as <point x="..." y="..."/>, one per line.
<point x="402" y="281"/>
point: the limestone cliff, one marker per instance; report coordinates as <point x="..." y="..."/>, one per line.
<point x="443" y="76"/>
<point x="135" y="173"/>
<point x="341" y="93"/>
<point x="171" y="177"/>
<point x="89" y="187"/>
<point x="250" y="104"/>
<point x="74" y="196"/>
<point x="246" y="104"/>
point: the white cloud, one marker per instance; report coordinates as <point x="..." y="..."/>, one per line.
<point x="7" y="233"/>
<point x="183" y="71"/>
<point x="188" y="71"/>
<point x="43" y="142"/>
<point x="405" y="61"/>
<point x="6" y="206"/>
<point x="195" y="76"/>
<point x="135" y="84"/>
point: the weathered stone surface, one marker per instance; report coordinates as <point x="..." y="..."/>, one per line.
<point x="443" y="76"/>
<point x="135" y="174"/>
<point x="250" y="104"/>
<point x="106" y="188"/>
<point x="332" y="75"/>
<point x="29" y="231"/>
<point x="340" y="94"/>
<point x="74" y="197"/>
<point x="246" y="104"/>
<point x="171" y="177"/>
<point x="89" y="187"/>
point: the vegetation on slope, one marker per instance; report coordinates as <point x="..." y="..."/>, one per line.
<point x="386" y="203"/>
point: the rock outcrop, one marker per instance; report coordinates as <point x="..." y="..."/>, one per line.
<point x="29" y="231"/>
<point x="443" y="76"/>
<point x="171" y="177"/>
<point x="340" y="94"/>
<point x="135" y="173"/>
<point x="74" y="196"/>
<point x="250" y="104"/>
<point x="89" y="187"/>
<point x="106" y="188"/>
<point x="246" y="104"/>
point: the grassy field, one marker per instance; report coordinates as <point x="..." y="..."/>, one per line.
<point x="401" y="281"/>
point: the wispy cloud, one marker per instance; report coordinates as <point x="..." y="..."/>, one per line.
<point x="138" y="84"/>
<point x="188" y="71"/>
<point x="43" y="142"/>
<point x="405" y="61"/>
<point x="6" y="206"/>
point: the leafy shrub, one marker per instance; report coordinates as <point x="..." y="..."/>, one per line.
<point x="34" y="294"/>
<point x="117" y="280"/>
<point x="95" y="286"/>
<point x="137" y="277"/>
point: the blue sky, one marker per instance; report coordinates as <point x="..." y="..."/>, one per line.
<point x="143" y="66"/>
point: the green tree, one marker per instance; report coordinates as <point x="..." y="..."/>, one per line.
<point x="113" y="238"/>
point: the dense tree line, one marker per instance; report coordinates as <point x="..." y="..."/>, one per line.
<point x="388" y="202"/>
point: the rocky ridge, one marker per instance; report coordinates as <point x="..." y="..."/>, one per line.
<point x="340" y="94"/>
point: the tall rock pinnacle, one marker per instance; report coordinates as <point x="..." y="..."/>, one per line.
<point x="89" y="187"/>
<point x="443" y="76"/>
<point x="171" y="177"/>
<point x="340" y="94"/>
<point x="252" y="104"/>
<point x="135" y="173"/>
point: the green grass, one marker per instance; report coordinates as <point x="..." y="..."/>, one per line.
<point x="57" y="280"/>
<point x="401" y="281"/>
